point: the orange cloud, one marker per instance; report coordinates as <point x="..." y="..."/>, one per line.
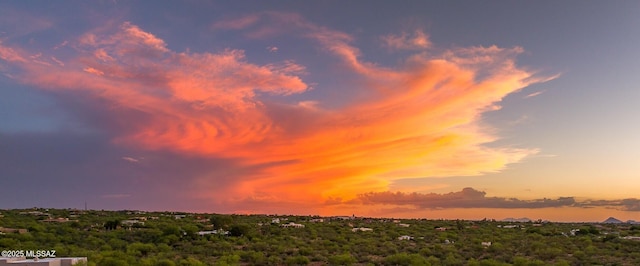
<point x="421" y="118"/>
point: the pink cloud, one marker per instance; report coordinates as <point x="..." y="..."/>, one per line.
<point x="10" y="55"/>
<point x="130" y="159"/>
<point x="530" y="95"/>
<point x="54" y="59"/>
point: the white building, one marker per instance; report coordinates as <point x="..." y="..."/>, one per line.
<point x="130" y="223"/>
<point x="509" y="226"/>
<point x="41" y="262"/>
<point x="573" y="232"/>
<point x="486" y="244"/>
<point x="214" y="232"/>
<point x="404" y="225"/>
<point x="405" y="238"/>
<point x="362" y="229"/>
<point x="294" y="225"/>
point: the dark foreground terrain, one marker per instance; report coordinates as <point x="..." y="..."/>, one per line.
<point x="169" y="238"/>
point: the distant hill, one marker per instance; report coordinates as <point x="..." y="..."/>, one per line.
<point x="612" y="220"/>
<point x="520" y="220"/>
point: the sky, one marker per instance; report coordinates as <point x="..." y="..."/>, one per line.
<point x="407" y="109"/>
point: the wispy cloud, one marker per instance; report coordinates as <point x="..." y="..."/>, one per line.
<point x="10" y="55"/>
<point x="417" y="121"/>
<point x="530" y="95"/>
<point x="130" y="159"/>
<point x="417" y="40"/>
<point x="630" y="204"/>
<point x="54" y="59"/>
<point x="237" y="23"/>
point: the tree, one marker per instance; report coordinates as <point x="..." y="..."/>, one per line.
<point x="112" y="225"/>
<point x="221" y="221"/>
<point x="239" y="230"/>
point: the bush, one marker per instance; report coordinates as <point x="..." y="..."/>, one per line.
<point x="405" y="259"/>
<point x="297" y="260"/>
<point x="343" y="259"/>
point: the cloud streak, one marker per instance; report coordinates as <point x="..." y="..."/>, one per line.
<point x="420" y="119"/>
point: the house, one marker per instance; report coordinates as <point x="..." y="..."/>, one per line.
<point x="508" y="226"/>
<point x="294" y="225"/>
<point x="58" y="220"/>
<point x="42" y="262"/>
<point x="441" y="229"/>
<point x="318" y="220"/>
<point x="405" y="238"/>
<point x="363" y="229"/>
<point x="35" y="213"/>
<point x="275" y="220"/>
<point x="130" y="223"/>
<point x="13" y="230"/>
<point x="204" y="233"/>
<point x="631" y="237"/>
<point x="404" y="225"/>
<point x="574" y="231"/>
<point x="214" y="232"/>
<point x="486" y="244"/>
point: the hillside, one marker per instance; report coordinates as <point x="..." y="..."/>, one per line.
<point x="168" y="238"/>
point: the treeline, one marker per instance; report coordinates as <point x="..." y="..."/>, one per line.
<point x="165" y="238"/>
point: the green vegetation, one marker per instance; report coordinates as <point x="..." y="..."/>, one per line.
<point x="167" y="238"/>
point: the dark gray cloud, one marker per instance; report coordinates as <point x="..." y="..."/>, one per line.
<point x="472" y="198"/>
<point x="630" y="204"/>
<point x="63" y="170"/>
<point x="466" y="198"/>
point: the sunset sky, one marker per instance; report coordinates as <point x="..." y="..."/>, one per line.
<point x="415" y="109"/>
